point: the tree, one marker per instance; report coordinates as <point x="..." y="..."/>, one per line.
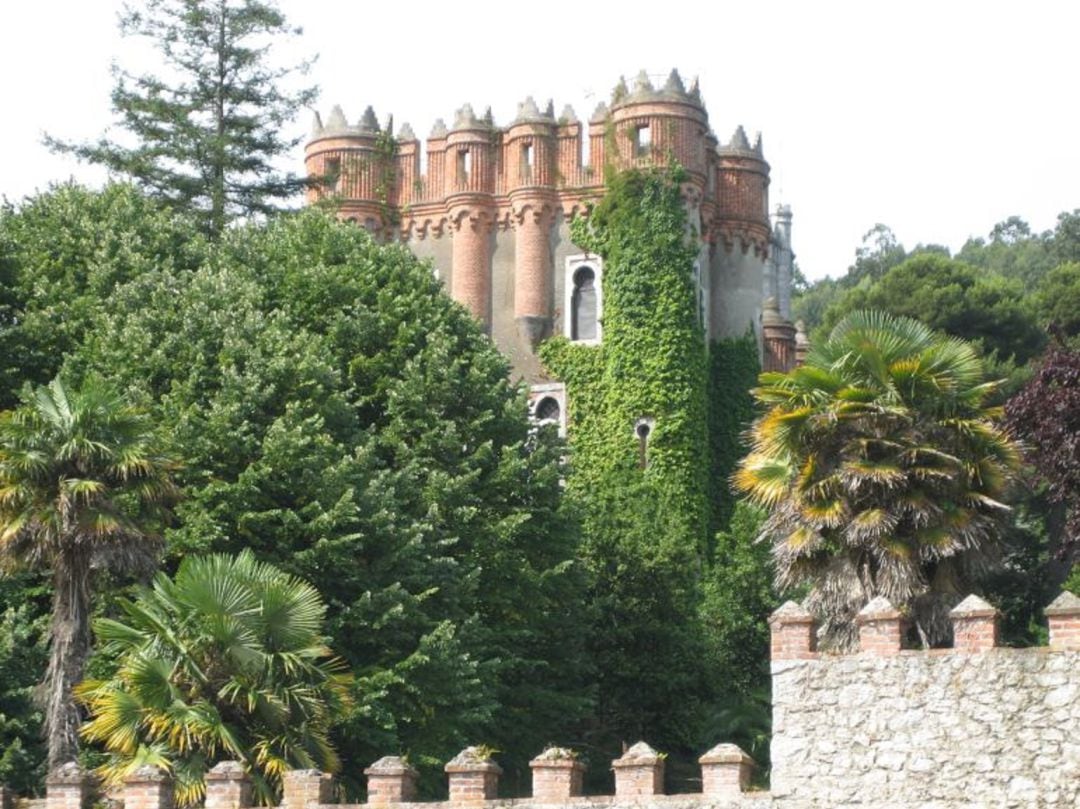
<point x="883" y="471"/>
<point x="62" y="255"/>
<point x="226" y="661"/>
<point x="1045" y="415"/>
<point x="348" y="422"/>
<point x="953" y="297"/>
<point x="1058" y="299"/>
<point x="82" y="483"/>
<point x="208" y="133"/>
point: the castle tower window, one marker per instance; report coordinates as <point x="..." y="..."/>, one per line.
<point x="547" y="405"/>
<point x="526" y="161"/>
<point x="548" y="410"/>
<point x="464" y="165"/>
<point x="583" y="299"/>
<point x="583" y="305"/>
<point x="641" y="140"/>
<point x="643" y="429"/>
<point x="332" y="175"/>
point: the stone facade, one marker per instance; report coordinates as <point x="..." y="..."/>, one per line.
<point x="972" y="727"/>
<point x="492" y="209"/>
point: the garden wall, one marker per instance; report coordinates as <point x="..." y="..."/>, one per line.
<point x="971" y="726"/>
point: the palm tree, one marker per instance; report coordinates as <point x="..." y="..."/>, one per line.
<point x="883" y="469"/>
<point x="226" y="661"/>
<point x="81" y="480"/>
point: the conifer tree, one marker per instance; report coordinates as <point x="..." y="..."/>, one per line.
<point x="207" y="129"/>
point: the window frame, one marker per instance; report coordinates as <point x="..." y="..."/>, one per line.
<point x="573" y="264"/>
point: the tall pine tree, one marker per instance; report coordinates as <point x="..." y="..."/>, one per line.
<point x="207" y="131"/>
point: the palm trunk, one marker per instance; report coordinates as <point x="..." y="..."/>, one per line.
<point x="69" y="647"/>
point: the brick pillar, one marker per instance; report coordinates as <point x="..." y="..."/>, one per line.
<point x="556" y="775"/>
<point x="533" y="271"/>
<point x="880" y="628"/>
<point x="67" y="787"/>
<point x="7" y="797"/>
<point x="303" y="788"/>
<point x="975" y="625"/>
<point x="792" y="633"/>
<point x="227" y="786"/>
<point x="473" y="776"/>
<point x="391" y="780"/>
<point x="640" y="771"/>
<point x="1063" y="615"/>
<point x="470" y="279"/>
<point x="725" y="771"/>
<point x="148" y="787"/>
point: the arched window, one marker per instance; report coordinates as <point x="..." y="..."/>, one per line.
<point x="548" y="410"/>
<point x="583" y="314"/>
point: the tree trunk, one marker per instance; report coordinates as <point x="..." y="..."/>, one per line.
<point x="68" y="649"/>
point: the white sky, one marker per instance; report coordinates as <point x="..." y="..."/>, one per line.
<point x="938" y="119"/>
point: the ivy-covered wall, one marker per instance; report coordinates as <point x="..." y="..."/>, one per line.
<point x="649" y="519"/>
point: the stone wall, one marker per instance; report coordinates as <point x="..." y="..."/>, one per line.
<point x="974" y="725"/>
<point x="969" y="727"/>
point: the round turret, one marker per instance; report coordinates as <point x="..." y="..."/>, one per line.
<point x="742" y="190"/>
<point x="470" y="155"/>
<point x="655" y="126"/>
<point x="529" y="146"/>
<point x="344" y="161"/>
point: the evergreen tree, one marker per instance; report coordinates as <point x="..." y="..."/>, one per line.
<point x="350" y="424"/>
<point x="208" y="131"/>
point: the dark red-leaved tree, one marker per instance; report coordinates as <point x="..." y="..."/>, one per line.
<point x="1045" y="415"/>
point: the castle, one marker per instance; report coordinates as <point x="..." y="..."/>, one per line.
<point x="492" y="213"/>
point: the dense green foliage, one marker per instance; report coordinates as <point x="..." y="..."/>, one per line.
<point x="83" y="486"/>
<point x="733" y="370"/>
<point x="953" y="297"/>
<point x="62" y="254"/>
<point x="207" y="129"/>
<point x="24" y="606"/>
<point x="883" y="471"/>
<point x="227" y="661"/>
<point x="349" y="423"/>
<point x="668" y="664"/>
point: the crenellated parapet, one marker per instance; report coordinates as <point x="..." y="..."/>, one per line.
<point x="490" y="205"/>
<point x="540" y="152"/>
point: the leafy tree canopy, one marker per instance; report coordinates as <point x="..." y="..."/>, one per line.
<point x="206" y="131"/>
<point x="83" y="486"/>
<point x="349" y="423"/>
<point x="227" y="661"/>
<point x="62" y="255"/>
<point x="883" y="472"/>
<point x="953" y="297"/>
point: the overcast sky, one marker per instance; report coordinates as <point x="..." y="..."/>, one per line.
<point x="938" y="119"/>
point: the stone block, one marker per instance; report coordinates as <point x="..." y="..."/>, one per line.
<point x="67" y="787"/>
<point x="556" y="775"/>
<point x="227" y="786"/>
<point x="1063" y="616"/>
<point x="473" y="776"/>
<point x="880" y="628"/>
<point x="975" y="625"/>
<point x="725" y="771"/>
<point x="639" y="772"/>
<point x="303" y="788"/>
<point x="792" y="633"/>
<point x="391" y="779"/>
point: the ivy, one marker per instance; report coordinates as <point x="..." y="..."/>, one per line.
<point x="649" y="521"/>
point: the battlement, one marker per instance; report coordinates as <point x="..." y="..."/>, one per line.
<point x="376" y="177"/>
<point x="972" y="726"/>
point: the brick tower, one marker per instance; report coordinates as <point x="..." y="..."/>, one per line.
<point x="492" y="210"/>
